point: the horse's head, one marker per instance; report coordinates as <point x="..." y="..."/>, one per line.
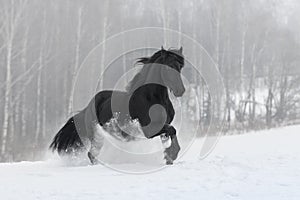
<point x="168" y="69"/>
<point x="171" y="75"/>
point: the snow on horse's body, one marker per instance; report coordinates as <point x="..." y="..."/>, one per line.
<point x="114" y="110"/>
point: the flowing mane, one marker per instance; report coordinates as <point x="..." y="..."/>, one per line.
<point x="159" y="57"/>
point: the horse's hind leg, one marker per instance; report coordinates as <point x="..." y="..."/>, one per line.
<point x="93" y="132"/>
<point x="97" y="141"/>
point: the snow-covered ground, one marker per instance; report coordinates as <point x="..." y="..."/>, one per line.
<point x="261" y="165"/>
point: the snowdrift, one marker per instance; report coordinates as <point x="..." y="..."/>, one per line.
<point x="260" y="165"/>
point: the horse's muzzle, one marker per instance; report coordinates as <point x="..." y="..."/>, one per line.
<point x="179" y="93"/>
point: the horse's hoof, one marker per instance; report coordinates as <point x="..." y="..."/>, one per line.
<point x="169" y="162"/>
<point x="92" y="158"/>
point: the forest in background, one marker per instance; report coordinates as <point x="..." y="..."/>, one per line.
<point x="255" y="44"/>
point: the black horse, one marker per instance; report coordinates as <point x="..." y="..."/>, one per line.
<point x="146" y="99"/>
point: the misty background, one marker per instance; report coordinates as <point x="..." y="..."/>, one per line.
<point x="255" y="44"/>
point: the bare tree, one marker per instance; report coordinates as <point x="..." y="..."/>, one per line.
<point x="104" y="37"/>
<point x="12" y="14"/>
<point x="77" y="61"/>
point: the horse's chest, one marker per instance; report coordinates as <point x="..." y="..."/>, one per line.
<point x="159" y="110"/>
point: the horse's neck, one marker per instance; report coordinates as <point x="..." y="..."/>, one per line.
<point x="148" y="75"/>
<point x="157" y="91"/>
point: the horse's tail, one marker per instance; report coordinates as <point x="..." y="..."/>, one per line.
<point x="67" y="140"/>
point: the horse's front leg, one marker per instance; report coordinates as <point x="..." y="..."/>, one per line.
<point x="168" y="131"/>
<point x="171" y="151"/>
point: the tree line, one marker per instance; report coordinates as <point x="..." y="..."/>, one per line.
<point x="255" y="44"/>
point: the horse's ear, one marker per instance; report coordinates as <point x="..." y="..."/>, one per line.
<point x="163" y="52"/>
<point x="180" y="50"/>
